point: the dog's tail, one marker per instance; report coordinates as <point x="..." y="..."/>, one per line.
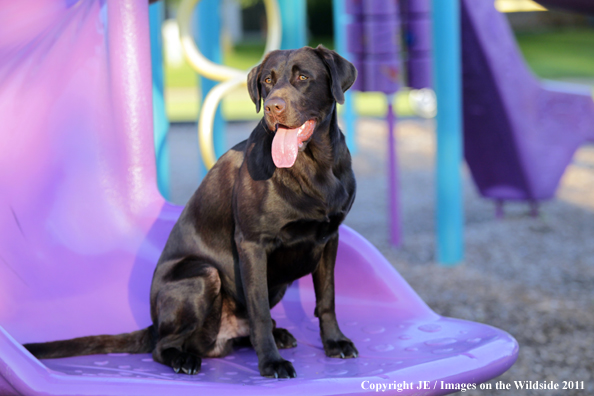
<point x="140" y="341"/>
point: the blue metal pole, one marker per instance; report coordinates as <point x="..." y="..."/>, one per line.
<point x="209" y="42"/>
<point x="293" y="19"/>
<point x="448" y="87"/>
<point x="160" y="122"/>
<point x="341" y="19"/>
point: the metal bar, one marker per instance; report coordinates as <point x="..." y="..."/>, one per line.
<point x="447" y="72"/>
<point x="294" y="23"/>
<point x="160" y="121"/>
<point x="341" y="19"/>
<point x="209" y="42"/>
<point x="393" y="180"/>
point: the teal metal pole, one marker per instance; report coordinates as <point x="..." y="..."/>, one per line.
<point x="209" y="42"/>
<point x="341" y="19"/>
<point x="294" y="23"/>
<point x="448" y="88"/>
<point x="160" y="122"/>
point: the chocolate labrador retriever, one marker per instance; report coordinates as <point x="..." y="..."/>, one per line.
<point x="265" y="215"/>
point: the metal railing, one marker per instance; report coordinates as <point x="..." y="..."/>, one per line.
<point x="230" y="77"/>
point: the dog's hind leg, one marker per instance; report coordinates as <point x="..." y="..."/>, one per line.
<point x="282" y="337"/>
<point x="182" y="308"/>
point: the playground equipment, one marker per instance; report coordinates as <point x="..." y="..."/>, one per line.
<point x="341" y="19"/>
<point x="374" y="44"/>
<point x="82" y="225"/>
<point x="291" y="12"/>
<point x="415" y="18"/>
<point x="416" y="28"/>
<point x="519" y="134"/>
<point x="160" y="121"/>
<point x="232" y="78"/>
<point x="448" y="162"/>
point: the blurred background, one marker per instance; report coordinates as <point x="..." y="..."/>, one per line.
<point x="556" y="45"/>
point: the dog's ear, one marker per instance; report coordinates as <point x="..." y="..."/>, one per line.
<point x="342" y="72"/>
<point x="253" y="85"/>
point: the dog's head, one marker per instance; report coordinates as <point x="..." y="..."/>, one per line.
<point x="299" y="89"/>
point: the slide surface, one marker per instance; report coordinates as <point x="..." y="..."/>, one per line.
<point x="519" y="133"/>
<point x="82" y="225"/>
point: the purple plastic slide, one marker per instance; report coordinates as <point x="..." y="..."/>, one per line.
<point x="519" y="133"/>
<point x="82" y="225"/>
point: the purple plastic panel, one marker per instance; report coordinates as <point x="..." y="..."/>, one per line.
<point x="354" y="7"/>
<point x="78" y="199"/>
<point x="416" y="17"/>
<point x="355" y="38"/>
<point x="357" y="61"/>
<point x="82" y="225"/>
<point x="381" y="37"/>
<point x="420" y="33"/>
<point x="371" y="7"/>
<point x="419" y="71"/>
<point x="381" y="73"/>
<point x="519" y="133"/>
<point x="418" y="6"/>
<point x="374" y="39"/>
<point x="379" y="7"/>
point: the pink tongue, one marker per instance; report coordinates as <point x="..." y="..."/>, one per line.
<point x="285" y="147"/>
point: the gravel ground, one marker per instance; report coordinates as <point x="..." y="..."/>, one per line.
<point x="530" y="276"/>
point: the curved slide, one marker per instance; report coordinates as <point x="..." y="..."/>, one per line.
<point x="519" y="133"/>
<point x="82" y="225"/>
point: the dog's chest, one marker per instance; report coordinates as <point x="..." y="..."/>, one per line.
<point x="299" y="248"/>
<point x="310" y="230"/>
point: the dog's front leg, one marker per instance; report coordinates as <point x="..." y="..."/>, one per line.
<point x="335" y="343"/>
<point x="252" y="264"/>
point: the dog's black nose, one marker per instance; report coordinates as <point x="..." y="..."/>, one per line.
<point x="275" y="106"/>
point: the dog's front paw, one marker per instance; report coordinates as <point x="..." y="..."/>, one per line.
<point x="278" y="369"/>
<point x="343" y="349"/>
<point x="187" y="363"/>
<point x="283" y="338"/>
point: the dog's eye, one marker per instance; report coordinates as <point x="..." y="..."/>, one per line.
<point x="268" y="80"/>
<point x="303" y="78"/>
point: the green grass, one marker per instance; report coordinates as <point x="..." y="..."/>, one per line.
<point x="182" y="76"/>
<point x="559" y="54"/>
<point x="244" y="56"/>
